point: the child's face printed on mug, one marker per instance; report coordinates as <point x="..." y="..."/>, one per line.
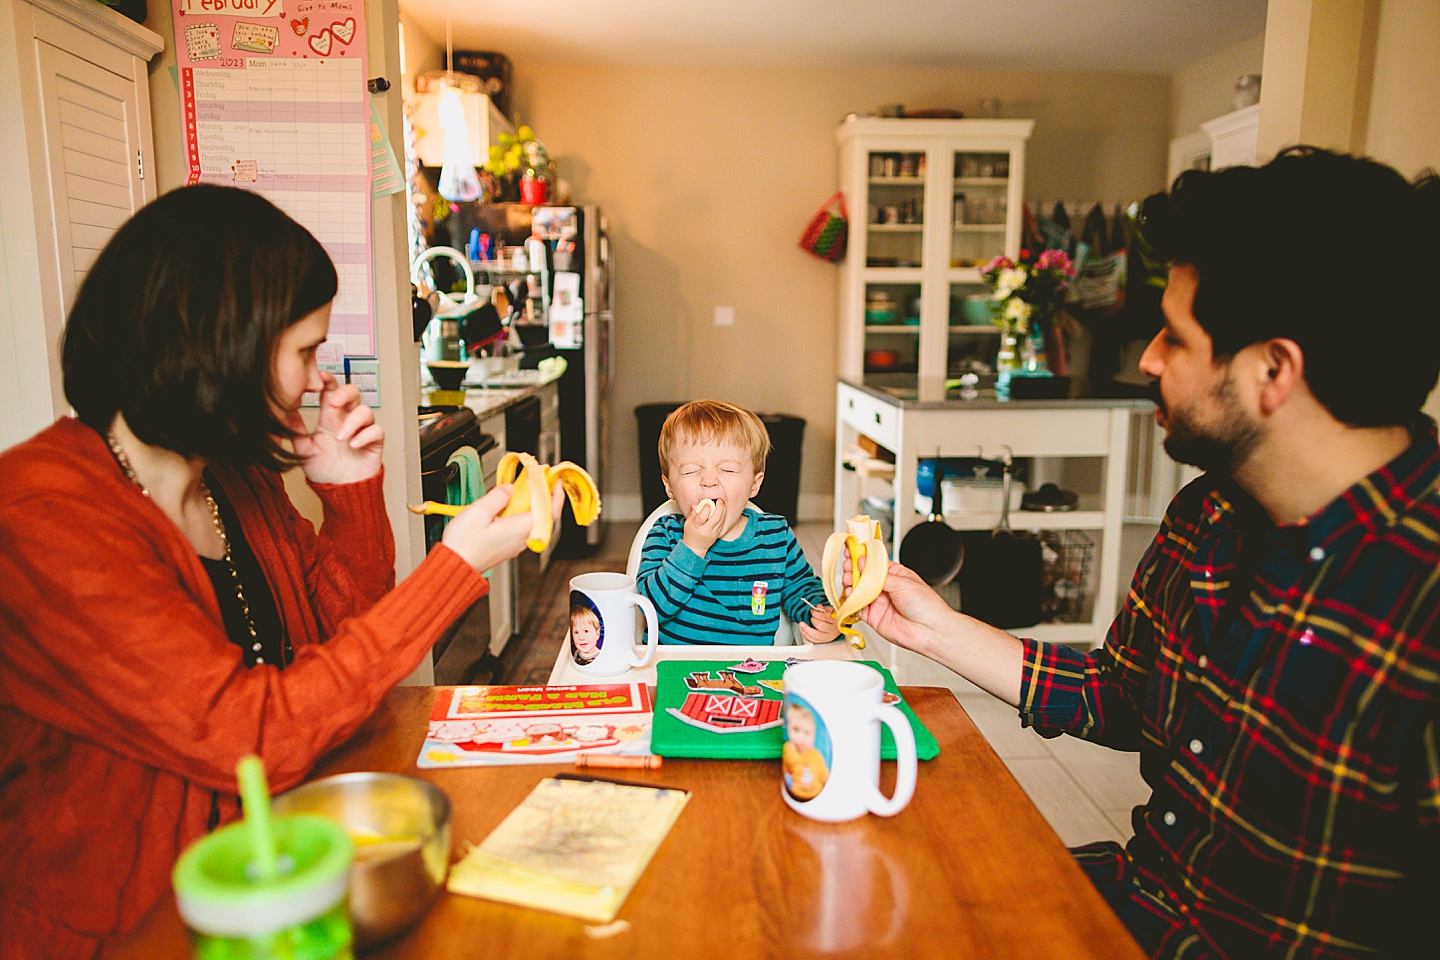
<point x="800" y="727"/>
<point x="584" y="631"/>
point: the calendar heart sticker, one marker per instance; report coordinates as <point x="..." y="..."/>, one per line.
<point x="320" y="43"/>
<point x="300" y="26"/>
<point x="344" y="32"/>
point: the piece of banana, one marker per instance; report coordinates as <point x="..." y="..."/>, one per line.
<point x="533" y="482"/>
<point x="860" y="540"/>
<point x="704" y="509"/>
<point x="431" y="507"/>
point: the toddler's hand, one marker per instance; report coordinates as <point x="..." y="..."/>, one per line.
<point x="822" y="627"/>
<point x="704" y="525"/>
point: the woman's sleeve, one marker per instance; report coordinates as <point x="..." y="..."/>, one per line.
<point x="350" y="563"/>
<point x="100" y="638"/>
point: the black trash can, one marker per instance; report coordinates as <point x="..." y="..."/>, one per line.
<point x="650" y="417"/>
<point x="779" y="494"/>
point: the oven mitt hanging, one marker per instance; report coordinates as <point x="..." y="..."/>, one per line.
<point x="825" y="235"/>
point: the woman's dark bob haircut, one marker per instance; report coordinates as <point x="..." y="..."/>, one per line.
<point x="176" y="323"/>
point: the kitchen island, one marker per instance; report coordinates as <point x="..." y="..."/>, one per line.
<point x="1082" y="444"/>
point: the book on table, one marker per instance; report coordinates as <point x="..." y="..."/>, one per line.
<point x="715" y="708"/>
<point x="574" y="845"/>
<point x="486" y="726"/>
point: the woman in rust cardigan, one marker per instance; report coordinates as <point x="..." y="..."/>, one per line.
<point x="164" y="609"/>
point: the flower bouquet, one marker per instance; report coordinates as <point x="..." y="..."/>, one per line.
<point x="1024" y="299"/>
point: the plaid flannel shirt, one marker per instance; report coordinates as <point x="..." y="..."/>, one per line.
<point x="1289" y="737"/>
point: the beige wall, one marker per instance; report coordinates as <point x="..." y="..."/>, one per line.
<point x="708" y="177"/>
<point x="1202" y="91"/>
<point x="1404" y="121"/>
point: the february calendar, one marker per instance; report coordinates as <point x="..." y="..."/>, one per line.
<point x="274" y="100"/>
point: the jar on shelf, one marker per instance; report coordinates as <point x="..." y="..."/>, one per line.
<point x="1247" y="91"/>
<point x="879" y="308"/>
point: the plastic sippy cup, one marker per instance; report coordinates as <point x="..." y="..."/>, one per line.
<point x="267" y="890"/>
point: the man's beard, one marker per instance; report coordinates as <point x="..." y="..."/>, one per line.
<point x="1223" y="448"/>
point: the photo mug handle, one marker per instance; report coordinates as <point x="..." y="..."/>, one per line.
<point x="905" y="763"/>
<point x="652" y="635"/>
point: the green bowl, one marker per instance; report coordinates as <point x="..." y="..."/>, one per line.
<point x="975" y="311"/>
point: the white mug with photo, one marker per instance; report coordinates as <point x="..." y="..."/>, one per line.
<point x="602" y="625"/>
<point x="831" y="760"/>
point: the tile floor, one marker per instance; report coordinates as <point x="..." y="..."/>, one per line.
<point x="1084" y="790"/>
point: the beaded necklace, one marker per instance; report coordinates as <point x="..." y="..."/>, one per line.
<point x="129" y="469"/>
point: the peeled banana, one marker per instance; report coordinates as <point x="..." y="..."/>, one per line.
<point x="534" y="481"/>
<point x="860" y="540"/>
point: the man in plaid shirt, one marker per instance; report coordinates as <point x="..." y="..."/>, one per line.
<point x="1277" y="660"/>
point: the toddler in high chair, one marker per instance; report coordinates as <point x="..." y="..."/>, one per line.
<point x="719" y="571"/>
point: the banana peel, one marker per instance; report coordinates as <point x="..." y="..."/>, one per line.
<point x="859" y="541"/>
<point x="533" y="483"/>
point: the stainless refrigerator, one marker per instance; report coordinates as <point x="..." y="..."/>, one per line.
<point x="578" y="272"/>
<point x="577" y="238"/>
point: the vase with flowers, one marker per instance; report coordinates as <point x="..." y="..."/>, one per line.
<point x="1024" y="298"/>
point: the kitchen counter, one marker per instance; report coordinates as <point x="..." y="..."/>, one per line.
<point x="498" y="396"/>
<point x="930" y="394"/>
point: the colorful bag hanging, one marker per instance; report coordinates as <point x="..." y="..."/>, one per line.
<point x="825" y="234"/>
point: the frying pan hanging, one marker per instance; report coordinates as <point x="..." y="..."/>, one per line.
<point x="933" y="549"/>
<point x="1001" y="580"/>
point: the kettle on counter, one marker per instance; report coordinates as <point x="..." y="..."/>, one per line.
<point x="442" y="335"/>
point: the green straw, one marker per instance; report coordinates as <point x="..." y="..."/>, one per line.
<point x="255" y="794"/>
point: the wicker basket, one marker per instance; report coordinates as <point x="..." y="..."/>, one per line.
<point x="825" y="235"/>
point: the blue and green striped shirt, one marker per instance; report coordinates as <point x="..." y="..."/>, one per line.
<point x="733" y="594"/>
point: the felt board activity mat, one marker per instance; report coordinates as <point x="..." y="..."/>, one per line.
<point x="731" y="710"/>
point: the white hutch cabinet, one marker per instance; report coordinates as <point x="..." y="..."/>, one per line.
<point x="931" y="201"/>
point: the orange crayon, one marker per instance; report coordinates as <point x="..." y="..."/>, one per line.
<point x="618" y="762"/>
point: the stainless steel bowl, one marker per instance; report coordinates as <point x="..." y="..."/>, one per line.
<point x="401" y="828"/>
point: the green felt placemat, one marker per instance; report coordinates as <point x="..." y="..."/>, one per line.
<point x="713" y="720"/>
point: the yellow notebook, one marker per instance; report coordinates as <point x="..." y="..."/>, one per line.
<point x="573" y="846"/>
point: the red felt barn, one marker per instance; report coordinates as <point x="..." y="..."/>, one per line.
<point x="725" y="711"/>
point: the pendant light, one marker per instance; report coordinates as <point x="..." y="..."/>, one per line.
<point x="458" y="182"/>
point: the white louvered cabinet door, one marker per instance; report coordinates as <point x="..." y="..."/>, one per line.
<point x="75" y="162"/>
<point x="96" y="153"/>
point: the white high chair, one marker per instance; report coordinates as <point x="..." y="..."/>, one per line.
<point x="785" y="635"/>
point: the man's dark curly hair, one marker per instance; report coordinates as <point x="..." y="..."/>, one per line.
<point x="1335" y="252"/>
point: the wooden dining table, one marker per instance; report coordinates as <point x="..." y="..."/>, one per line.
<point x="969" y="869"/>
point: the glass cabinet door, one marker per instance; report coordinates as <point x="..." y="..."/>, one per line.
<point x="895" y="209"/>
<point x="972" y="337"/>
<point x="980" y="207"/>
<point x="892" y="328"/>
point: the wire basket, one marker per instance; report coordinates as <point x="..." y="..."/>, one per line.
<point x="1066" y="559"/>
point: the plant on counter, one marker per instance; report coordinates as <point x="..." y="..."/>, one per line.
<point x="516" y="158"/>
<point x="1024" y="299"/>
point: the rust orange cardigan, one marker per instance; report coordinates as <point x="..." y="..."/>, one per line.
<point x="124" y="707"/>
